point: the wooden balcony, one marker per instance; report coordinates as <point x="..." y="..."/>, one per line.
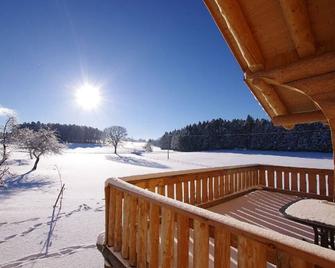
<point x="218" y="217"/>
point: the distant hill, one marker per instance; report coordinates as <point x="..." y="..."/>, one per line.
<point x="254" y="134"/>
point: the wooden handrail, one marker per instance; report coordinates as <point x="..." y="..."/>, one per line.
<point x="141" y="213"/>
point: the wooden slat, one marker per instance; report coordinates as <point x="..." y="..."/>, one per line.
<point x="153" y="245"/>
<point x="142" y="234"/>
<point x="221" y="248"/>
<point x="110" y="240"/>
<point x="204" y="189"/>
<point x="107" y="216"/>
<point x="322" y="184"/>
<point x="331" y="185"/>
<point x="179" y="191"/>
<point x="192" y="191"/>
<point x="182" y="241"/>
<point x="210" y="188"/>
<point x="132" y="230"/>
<point x="186" y="192"/>
<point x="294" y="181"/>
<point x="201" y="244"/>
<point x="216" y="187"/>
<point x="251" y="254"/>
<point x="198" y="191"/>
<point x="118" y="221"/>
<point x="286" y="181"/>
<point x="303" y="186"/>
<point x="280" y="180"/>
<point x="125" y="227"/>
<point x="222" y="185"/>
<point x="171" y="190"/>
<point x="167" y="234"/>
<point x="312" y="183"/>
<point x="271" y="177"/>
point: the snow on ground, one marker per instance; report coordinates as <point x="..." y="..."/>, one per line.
<point x="26" y="207"/>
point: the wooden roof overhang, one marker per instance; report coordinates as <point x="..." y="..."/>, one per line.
<point x="286" y="49"/>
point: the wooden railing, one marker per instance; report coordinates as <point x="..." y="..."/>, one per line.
<point x="155" y="221"/>
<point x="307" y="182"/>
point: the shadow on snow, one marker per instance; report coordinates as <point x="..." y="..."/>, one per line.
<point x="135" y="161"/>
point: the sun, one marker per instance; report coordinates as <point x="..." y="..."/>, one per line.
<point x="88" y="97"/>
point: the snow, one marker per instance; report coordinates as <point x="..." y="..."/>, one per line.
<point x="26" y="206"/>
<point x="321" y="211"/>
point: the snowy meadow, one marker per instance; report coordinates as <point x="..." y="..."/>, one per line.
<point x="34" y="234"/>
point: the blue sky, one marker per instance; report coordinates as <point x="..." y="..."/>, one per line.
<point x="161" y="64"/>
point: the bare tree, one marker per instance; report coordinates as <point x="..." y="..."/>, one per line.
<point x="38" y="143"/>
<point x="114" y="135"/>
<point x="148" y="147"/>
<point x="7" y="136"/>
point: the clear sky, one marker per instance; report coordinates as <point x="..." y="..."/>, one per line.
<point x="160" y="64"/>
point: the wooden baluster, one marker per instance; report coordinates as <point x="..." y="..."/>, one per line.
<point x="132" y="230"/>
<point x="227" y="183"/>
<point x="179" y="192"/>
<point x="110" y="240"/>
<point x="261" y="177"/>
<point x="201" y="244"/>
<point x="222" y="185"/>
<point x="216" y="186"/>
<point x="251" y="254"/>
<point x="107" y="221"/>
<point x="303" y="187"/>
<point x="171" y="190"/>
<point x="331" y="185"/>
<point x="286" y="181"/>
<point x="205" y="189"/>
<point x="294" y="181"/>
<point x="186" y="192"/>
<point x="221" y="248"/>
<point x="167" y="236"/>
<point x="118" y="221"/>
<point x="285" y="260"/>
<point x="198" y="191"/>
<point x="153" y="241"/>
<point x="182" y="241"/>
<point x="125" y="228"/>
<point x="322" y="185"/>
<point x="271" y="181"/>
<point x="161" y="189"/>
<point x="280" y="184"/>
<point x="142" y="234"/>
<point x="192" y="191"/>
<point x="210" y="191"/>
<point x="312" y="183"/>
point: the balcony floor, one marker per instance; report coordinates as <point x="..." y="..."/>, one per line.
<point x="261" y="208"/>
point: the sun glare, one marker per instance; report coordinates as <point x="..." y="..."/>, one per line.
<point x="88" y="97"/>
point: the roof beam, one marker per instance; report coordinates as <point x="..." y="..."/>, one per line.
<point x="271" y="97"/>
<point x="299" y="118"/>
<point x="241" y="32"/>
<point x="301" y="69"/>
<point x="297" y="20"/>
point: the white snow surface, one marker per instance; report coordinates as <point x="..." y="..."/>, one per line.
<point x="314" y="210"/>
<point x="26" y="207"/>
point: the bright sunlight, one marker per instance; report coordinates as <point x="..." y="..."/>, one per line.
<point x="88" y="97"/>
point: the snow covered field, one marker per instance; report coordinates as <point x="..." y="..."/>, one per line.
<point x="26" y="207"/>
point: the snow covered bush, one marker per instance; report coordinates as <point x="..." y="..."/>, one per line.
<point x="148" y="147"/>
<point x="7" y="136"/>
<point x="40" y="142"/>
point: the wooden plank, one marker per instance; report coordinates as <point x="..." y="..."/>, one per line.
<point x="322" y="185"/>
<point x="297" y="19"/>
<point x="198" y="190"/>
<point x="280" y="184"/>
<point x="251" y="254"/>
<point x="331" y="185"/>
<point x="179" y="191"/>
<point x="192" y="191"/>
<point x="153" y="245"/>
<point x="210" y="188"/>
<point x="186" y="192"/>
<point x="204" y="189"/>
<point x="222" y="184"/>
<point x="271" y="182"/>
<point x="125" y="227"/>
<point x="142" y="234"/>
<point x="303" y="186"/>
<point x="167" y="234"/>
<point x="110" y="240"/>
<point x="312" y="183"/>
<point x="171" y="190"/>
<point x="286" y="180"/>
<point x="299" y="118"/>
<point x="221" y="248"/>
<point x="182" y="241"/>
<point x="201" y="244"/>
<point x="107" y="200"/>
<point x="216" y="187"/>
<point x="118" y="222"/>
<point x="294" y="181"/>
<point x="132" y="230"/>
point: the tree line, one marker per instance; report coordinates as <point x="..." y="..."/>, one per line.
<point x="253" y="134"/>
<point x="68" y="133"/>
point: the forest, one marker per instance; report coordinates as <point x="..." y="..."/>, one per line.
<point x="252" y="134"/>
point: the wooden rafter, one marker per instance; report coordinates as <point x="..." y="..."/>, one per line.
<point x="237" y="25"/>
<point x="297" y="20"/>
<point x="291" y="119"/>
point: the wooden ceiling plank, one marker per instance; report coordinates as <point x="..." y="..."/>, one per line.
<point x="301" y="69"/>
<point x="240" y="30"/>
<point x="299" y="118"/>
<point x="298" y="22"/>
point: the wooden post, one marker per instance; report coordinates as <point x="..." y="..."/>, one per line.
<point x="167" y="234"/>
<point x="153" y="246"/>
<point x="132" y="230"/>
<point x="201" y="245"/>
<point x="182" y="241"/>
<point x="221" y="248"/>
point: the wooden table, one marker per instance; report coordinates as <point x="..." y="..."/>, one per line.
<point x="323" y="233"/>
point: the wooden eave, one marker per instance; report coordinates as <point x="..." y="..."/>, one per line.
<point x="286" y="49"/>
